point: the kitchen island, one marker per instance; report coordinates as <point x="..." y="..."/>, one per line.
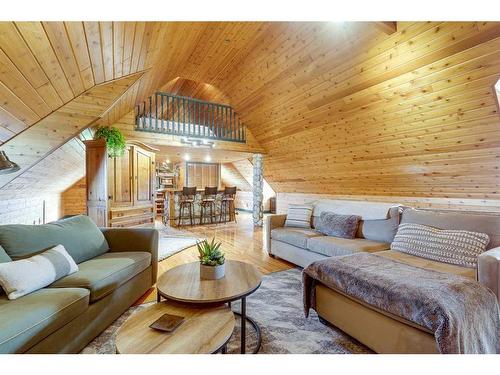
<point x="172" y="207"/>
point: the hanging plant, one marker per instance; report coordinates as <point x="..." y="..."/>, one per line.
<point x="115" y="141"/>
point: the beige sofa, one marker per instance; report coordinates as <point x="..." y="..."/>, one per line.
<point x="303" y="246"/>
<point x="67" y="315"/>
<point x="385" y="333"/>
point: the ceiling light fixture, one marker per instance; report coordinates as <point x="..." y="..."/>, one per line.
<point x="195" y="142"/>
<point x="208" y="158"/>
<point x="7" y="166"/>
<point x="187" y="157"/>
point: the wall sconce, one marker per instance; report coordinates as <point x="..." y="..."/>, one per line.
<point x="7" y="166"/>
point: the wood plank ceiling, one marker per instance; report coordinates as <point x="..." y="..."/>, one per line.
<point x="339" y="108"/>
<point x="347" y="109"/>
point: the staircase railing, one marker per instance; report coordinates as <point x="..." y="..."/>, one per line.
<point x="189" y="117"/>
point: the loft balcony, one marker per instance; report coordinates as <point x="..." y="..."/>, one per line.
<point x="188" y="117"/>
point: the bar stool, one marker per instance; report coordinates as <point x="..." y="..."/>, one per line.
<point x="187" y="201"/>
<point x="227" y="204"/>
<point x="208" y="201"/>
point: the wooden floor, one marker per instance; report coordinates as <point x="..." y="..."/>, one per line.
<point x="240" y="241"/>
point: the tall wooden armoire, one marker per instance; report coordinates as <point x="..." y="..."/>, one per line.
<point x="120" y="190"/>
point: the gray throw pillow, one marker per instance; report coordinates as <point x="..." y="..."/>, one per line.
<point x="332" y="224"/>
<point x="459" y="247"/>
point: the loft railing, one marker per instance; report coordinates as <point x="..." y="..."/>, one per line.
<point x="188" y="117"/>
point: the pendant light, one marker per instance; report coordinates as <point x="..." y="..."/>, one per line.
<point x="7" y="166"/>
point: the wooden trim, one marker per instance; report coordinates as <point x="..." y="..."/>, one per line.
<point x="388" y="27"/>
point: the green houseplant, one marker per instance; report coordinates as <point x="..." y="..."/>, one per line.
<point x="212" y="261"/>
<point x="115" y="141"/>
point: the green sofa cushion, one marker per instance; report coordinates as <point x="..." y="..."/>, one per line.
<point x="3" y="256"/>
<point x="106" y="273"/>
<point x="43" y="312"/>
<point x="78" y="234"/>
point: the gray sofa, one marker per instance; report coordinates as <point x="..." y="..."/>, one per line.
<point x="114" y="272"/>
<point x="303" y="246"/>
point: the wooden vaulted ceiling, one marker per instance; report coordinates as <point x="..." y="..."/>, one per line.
<point x="338" y="108"/>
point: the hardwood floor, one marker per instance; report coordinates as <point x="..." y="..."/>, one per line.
<point x="240" y="241"/>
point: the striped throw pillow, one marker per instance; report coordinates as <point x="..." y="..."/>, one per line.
<point x="459" y="247"/>
<point x="299" y="215"/>
<point x="24" y="276"/>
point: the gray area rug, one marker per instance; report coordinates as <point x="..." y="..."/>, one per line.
<point x="277" y="307"/>
<point x="174" y="240"/>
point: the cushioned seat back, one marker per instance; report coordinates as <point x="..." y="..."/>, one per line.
<point x="379" y="220"/>
<point x="475" y="222"/>
<point x="78" y="234"/>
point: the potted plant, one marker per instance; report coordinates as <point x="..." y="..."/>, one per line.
<point x="115" y="141"/>
<point x="212" y="261"/>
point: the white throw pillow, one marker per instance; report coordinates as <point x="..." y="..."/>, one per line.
<point x="24" y="276"/>
<point x="299" y="215"/>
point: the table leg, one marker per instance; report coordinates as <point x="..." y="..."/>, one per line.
<point x="158" y="297"/>
<point x="243" y="324"/>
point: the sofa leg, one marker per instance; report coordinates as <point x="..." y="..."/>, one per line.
<point x="272" y="255"/>
<point x="323" y="321"/>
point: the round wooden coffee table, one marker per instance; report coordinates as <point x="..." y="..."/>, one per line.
<point x="204" y="330"/>
<point x="183" y="283"/>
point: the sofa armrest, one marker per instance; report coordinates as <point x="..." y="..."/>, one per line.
<point x="134" y="239"/>
<point x="488" y="270"/>
<point x="271" y="222"/>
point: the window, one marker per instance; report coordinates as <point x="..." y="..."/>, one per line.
<point x="202" y="174"/>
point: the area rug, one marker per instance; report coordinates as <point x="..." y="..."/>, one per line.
<point x="277" y="307"/>
<point x="173" y="240"/>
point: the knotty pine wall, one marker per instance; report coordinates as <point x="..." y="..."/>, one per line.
<point x="73" y="199"/>
<point x="483" y="205"/>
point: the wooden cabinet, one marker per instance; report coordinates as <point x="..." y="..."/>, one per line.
<point x="120" y="191"/>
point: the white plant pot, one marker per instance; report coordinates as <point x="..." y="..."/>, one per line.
<point x="212" y="272"/>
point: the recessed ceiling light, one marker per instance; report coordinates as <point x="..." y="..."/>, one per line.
<point x="208" y="158"/>
<point x="187" y="157"/>
<point x="167" y="161"/>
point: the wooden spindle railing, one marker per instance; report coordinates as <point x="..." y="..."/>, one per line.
<point x="189" y="117"/>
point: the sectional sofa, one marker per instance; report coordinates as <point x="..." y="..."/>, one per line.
<point x="377" y="329"/>
<point x="120" y="266"/>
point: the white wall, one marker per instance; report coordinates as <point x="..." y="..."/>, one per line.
<point x="29" y="210"/>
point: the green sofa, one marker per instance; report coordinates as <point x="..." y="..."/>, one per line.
<point x="116" y="267"/>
